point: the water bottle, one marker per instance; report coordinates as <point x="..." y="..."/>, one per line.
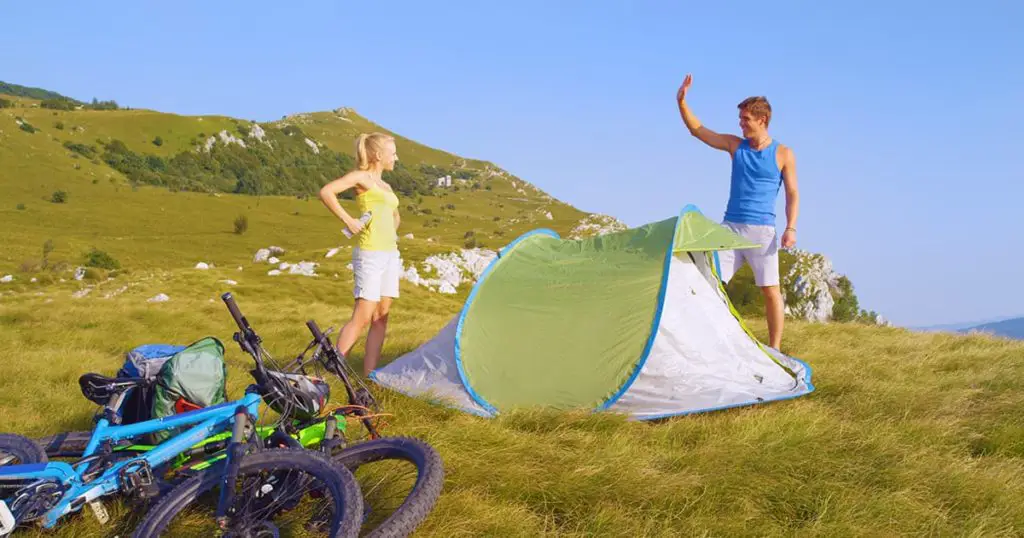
<point x="365" y="218"/>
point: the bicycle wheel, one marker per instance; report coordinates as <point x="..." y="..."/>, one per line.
<point x="268" y="485"/>
<point x="66" y="444"/>
<point x="400" y="488"/>
<point x="18" y="450"/>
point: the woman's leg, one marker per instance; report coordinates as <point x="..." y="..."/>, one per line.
<point x="375" y="338"/>
<point x="362" y="315"/>
<point x="379" y="324"/>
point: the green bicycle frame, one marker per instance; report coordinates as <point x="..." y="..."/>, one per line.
<point x="309" y="436"/>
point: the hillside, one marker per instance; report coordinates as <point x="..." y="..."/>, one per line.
<point x="142" y="186"/>
<point x="17" y="90"/>
<point x="147" y="187"/>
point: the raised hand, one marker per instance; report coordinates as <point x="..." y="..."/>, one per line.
<point x="681" y="94"/>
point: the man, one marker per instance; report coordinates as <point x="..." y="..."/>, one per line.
<point x="760" y="166"/>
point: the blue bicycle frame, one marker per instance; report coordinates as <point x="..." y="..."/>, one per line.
<point x="208" y="421"/>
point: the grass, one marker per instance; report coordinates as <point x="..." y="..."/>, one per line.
<point x="907" y="434"/>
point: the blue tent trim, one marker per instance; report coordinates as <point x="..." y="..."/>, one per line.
<point x="469" y="301"/>
<point x="656" y="322"/>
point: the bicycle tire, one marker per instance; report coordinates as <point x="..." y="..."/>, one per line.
<point x="25" y="449"/>
<point x="66" y="444"/>
<point x="345" y="491"/>
<point x="420" y="501"/>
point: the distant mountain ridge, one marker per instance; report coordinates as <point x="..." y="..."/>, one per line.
<point x="1011" y="328"/>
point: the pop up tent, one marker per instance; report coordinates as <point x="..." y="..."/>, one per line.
<point x="635" y="322"/>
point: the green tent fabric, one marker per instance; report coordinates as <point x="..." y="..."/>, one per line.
<point x="548" y="281"/>
<point x="197" y="373"/>
<point x="635" y="321"/>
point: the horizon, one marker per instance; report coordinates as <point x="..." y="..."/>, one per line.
<point x="899" y="122"/>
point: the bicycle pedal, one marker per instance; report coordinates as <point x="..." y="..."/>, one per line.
<point x="140" y="481"/>
<point x="99" y="511"/>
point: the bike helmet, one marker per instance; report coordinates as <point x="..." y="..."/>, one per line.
<point x="299" y="396"/>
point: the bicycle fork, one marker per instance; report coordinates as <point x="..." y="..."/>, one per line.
<point x="236" y="450"/>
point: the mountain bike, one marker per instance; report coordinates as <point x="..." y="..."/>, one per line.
<point x="394" y="502"/>
<point x="35" y="490"/>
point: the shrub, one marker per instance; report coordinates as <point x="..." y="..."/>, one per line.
<point x="158" y="141"/>
<point x="58" y="104"/>
<point x="28" y="128"/>
<point x="102" y="260"/>
<point x="93" y="274"/>
<point x="21" y="207"/>
<point x="59" y="197"/>
<point x="241" y="224"/>
<point x="47" y="249"/>
<point x="86" y="151"/>
<point x="59" y="125"/>
<point x="4" y="103"/>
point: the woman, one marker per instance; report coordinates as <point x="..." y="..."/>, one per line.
<point x="375" y="261"/>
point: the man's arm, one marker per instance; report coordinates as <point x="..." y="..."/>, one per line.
<point x="792" y="197"/>
<point x="724" y="142"/>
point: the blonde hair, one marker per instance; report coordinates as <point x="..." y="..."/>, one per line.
<point x="758" y="107"/>
<point x="368" y="146"/>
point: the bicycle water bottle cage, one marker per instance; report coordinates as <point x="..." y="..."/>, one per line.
<point x="101" y="389"/>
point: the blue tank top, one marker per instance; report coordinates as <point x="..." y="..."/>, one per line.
<point x="755" y="184"/>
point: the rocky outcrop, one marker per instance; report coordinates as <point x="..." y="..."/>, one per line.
<point x="452" y="269"/>
<point x="813" y="290"/>
<point x="596" y="224"/>
<point x="808" y="287"/>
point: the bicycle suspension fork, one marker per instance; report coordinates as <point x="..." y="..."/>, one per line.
<point x="236" y="450"/>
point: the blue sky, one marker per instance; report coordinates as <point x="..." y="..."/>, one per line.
<point x="905" y="116"/>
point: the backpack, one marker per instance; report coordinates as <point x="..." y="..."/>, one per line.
<point x="193" y="378"/>
<point x="143" y="361"/>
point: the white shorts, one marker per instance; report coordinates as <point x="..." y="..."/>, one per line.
<point x="376" y="273"/>
<point x="764" y="261"/>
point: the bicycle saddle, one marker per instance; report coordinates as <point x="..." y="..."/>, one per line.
<point x="100" y="389"/>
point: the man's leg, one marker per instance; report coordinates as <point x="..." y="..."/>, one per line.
<point x="765" y="263"/>
<point x="775" y="312"/>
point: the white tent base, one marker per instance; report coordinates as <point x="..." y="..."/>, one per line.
<point x="701" y="359"/>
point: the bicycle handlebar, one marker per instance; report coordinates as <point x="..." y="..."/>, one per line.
<point x="315" y="329"/>
<point x="247" y="338"/>
<point x="229" y="300"/>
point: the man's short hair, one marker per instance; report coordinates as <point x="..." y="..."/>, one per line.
<point x="758" y="107"/>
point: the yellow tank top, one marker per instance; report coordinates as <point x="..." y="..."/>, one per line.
<point x="380" y="233"/>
